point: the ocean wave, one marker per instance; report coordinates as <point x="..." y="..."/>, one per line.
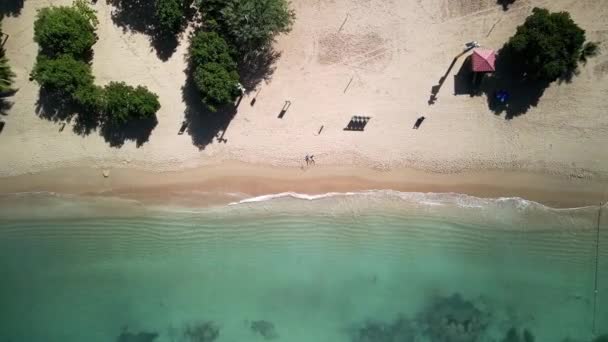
<point x="269" y="197"/>
<point x="422" y="198"/>
<point x="33" y="193"/>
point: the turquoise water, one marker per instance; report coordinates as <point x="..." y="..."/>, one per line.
<point x="383" y="267"/>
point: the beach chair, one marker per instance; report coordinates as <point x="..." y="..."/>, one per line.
<point x="357" y="123"/>
<point x="284" y="110"/>
<point x="183" y="128"/>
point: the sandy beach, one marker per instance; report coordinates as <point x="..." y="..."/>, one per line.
<point x="343" y="58"/>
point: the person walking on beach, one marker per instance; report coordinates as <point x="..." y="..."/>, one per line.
<point x="312" y="159"/>
<point x="307" y="159"/>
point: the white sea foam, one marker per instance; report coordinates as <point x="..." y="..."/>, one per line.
<point x="296" y="195"/>
<point x="430" y="199"/>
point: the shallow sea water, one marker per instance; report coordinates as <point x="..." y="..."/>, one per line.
<point x="366" y="267"/>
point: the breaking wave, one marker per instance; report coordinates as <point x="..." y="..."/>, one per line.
<point x="430" y="199"/>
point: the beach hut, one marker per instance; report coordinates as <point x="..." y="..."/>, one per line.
<point x="483" y="60"/>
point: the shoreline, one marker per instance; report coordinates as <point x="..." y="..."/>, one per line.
<point x="220" y="184"/>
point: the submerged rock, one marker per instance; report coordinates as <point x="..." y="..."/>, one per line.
<point x="373" y="332"/>
<point x="142" y="336"/>
<point x="528" y="337"/>
<point x="514" y="336"/>
<point x="400" y="330"/>
<point x="601" y="338"/>
<point x="203" y="332"/>
<point x="452" y="319"/>
<point x="264" y="328"/>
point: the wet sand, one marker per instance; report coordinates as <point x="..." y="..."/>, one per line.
<point x="223" y="183"/>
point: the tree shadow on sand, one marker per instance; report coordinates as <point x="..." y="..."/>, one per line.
<point x="138" y="131"/>
<point x="505" y="4"/>
<point x="5" y="103"/>
<point x="258" y="68"/>
<point x="204" y="125"/>
<point x="51" y="107"/>
<point x="11" y="8"/>
<point x="139" y="16"/>
<point x="523" y="93"/>
<point x="5" y="106"/>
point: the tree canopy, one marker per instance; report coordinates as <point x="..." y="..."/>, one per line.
<point x="90" y="98"/>
<point x="170" y="15"/>
<point x="215" y="74"/>
<point x="65" y="30"/>
<point x="63" y="75"/>
<point x="218" y="85"/>
<point x="209" y="47"/>
<point x="123" y="103"/>
<point x="248" y="25"/>
<point x="235" y="33"/>
<point x="548" y="45"/>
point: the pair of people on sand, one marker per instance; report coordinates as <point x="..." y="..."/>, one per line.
<point x="310" y="159"/>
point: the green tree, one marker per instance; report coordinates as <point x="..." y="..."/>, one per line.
<point x="170" y="15"/>
<point x="63" y="75"/>
<point x="209" y="47"/>
<point x="215" y="73"/>
<point x="91" y="98"/>
<point x="218" y="85"/>
<point x="249" y="25"/>
<point x="65" y="30"/>
<point x="548" y="45"/>
<point x="83" y="7"/>
<point x="123" y="102"/>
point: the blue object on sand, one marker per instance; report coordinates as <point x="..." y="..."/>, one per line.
<point x="502" y="96"/>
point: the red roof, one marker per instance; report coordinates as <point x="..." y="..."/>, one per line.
<point x="483" y="60"/>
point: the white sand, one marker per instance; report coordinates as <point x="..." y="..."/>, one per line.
<point x="394" y="51"/>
